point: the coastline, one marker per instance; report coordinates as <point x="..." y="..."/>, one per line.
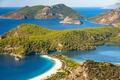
<point x="53" y="70"/>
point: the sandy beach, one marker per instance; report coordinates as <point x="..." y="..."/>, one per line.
<point x="53" y="70"/>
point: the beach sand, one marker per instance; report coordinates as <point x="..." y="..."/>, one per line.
<point x="53" y="70"/>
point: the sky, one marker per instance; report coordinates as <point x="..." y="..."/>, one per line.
<point x="71" y="3"/>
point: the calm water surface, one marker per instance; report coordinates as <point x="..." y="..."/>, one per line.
<point x="101" y="53"/>
<point x="6" y="24"/>
<point x="35" y="65"/>
<point x="27" y="68"/>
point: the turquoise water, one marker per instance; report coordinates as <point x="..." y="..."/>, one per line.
<point x="100" y="54"/>
<point x="27" y="68"/>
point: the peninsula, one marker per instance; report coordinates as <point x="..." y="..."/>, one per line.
<point x="28" y="38"/>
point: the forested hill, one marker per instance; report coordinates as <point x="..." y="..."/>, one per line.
<point x="42" y="12"/>
<point x="27" y="38"/>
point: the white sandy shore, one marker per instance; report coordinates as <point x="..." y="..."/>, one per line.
<point x="53" y="70"/>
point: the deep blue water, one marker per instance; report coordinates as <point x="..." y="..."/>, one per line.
<point x="6" y="24"/>
<point x="27" y="68"/>
<point x="35" y="65"/>
<point x="90" y="12"/>
<point x="100" y="54"/>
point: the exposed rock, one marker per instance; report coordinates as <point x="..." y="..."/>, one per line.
<point x="69" y="20"/>
<point x="111" y="17"/>
<point x="91" y="70"/>
<point x="47" y="13"/>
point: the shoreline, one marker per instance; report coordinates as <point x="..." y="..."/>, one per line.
<point x="53" y="70"/>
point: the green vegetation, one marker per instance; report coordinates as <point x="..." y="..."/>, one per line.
<point x="42" y="12"/>
<point x="101" y="71"/>
<point x="67" y="67"/>
<point x="27" y="38"/>
<point x="89" y="70"/>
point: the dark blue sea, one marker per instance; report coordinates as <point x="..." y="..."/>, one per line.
<point x="100" y="54"/>
<point x="7" y="24"/>
<point x="90" y="11"/>
<point x="31" y="66"/>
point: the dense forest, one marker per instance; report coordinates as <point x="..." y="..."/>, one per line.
<point x="28" y="38"/>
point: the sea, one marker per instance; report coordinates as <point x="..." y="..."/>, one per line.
<point x="34" y="65"/>
<point x="8" y="24"/>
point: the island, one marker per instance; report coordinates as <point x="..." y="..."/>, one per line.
<point x="59" y="11"/>
<point x="69" y="20"/>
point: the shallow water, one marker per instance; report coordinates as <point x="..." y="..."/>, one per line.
<point x="27" y="68"/>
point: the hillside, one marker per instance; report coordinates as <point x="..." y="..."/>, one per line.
<point x="91" y="70"/>
<point x="88" y="70"/>
<point x="28" y="38"/>
<point x="111" y="17"/>
<point x="42" y="12"/>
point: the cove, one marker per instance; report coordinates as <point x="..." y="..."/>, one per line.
<point x="27" y="68"/>
<point x="100" y="54"/>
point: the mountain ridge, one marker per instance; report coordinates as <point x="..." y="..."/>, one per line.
<point x="42" y="12"/>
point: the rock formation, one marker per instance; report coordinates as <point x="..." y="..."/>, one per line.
<point x="111" y="17"/>
<point x="91" y="70"/>
<point x="69" y="20"/>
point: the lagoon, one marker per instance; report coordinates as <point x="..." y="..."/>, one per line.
<point x="101" y="54"/>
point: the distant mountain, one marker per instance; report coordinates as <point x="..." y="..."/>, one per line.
<point x="111" y="17"/>
<point x="114" y="6"/>
<point x="42" y="12"/>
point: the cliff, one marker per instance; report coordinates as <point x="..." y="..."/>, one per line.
<point x="42" y="12"/>
<point x="111" y="17"/>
